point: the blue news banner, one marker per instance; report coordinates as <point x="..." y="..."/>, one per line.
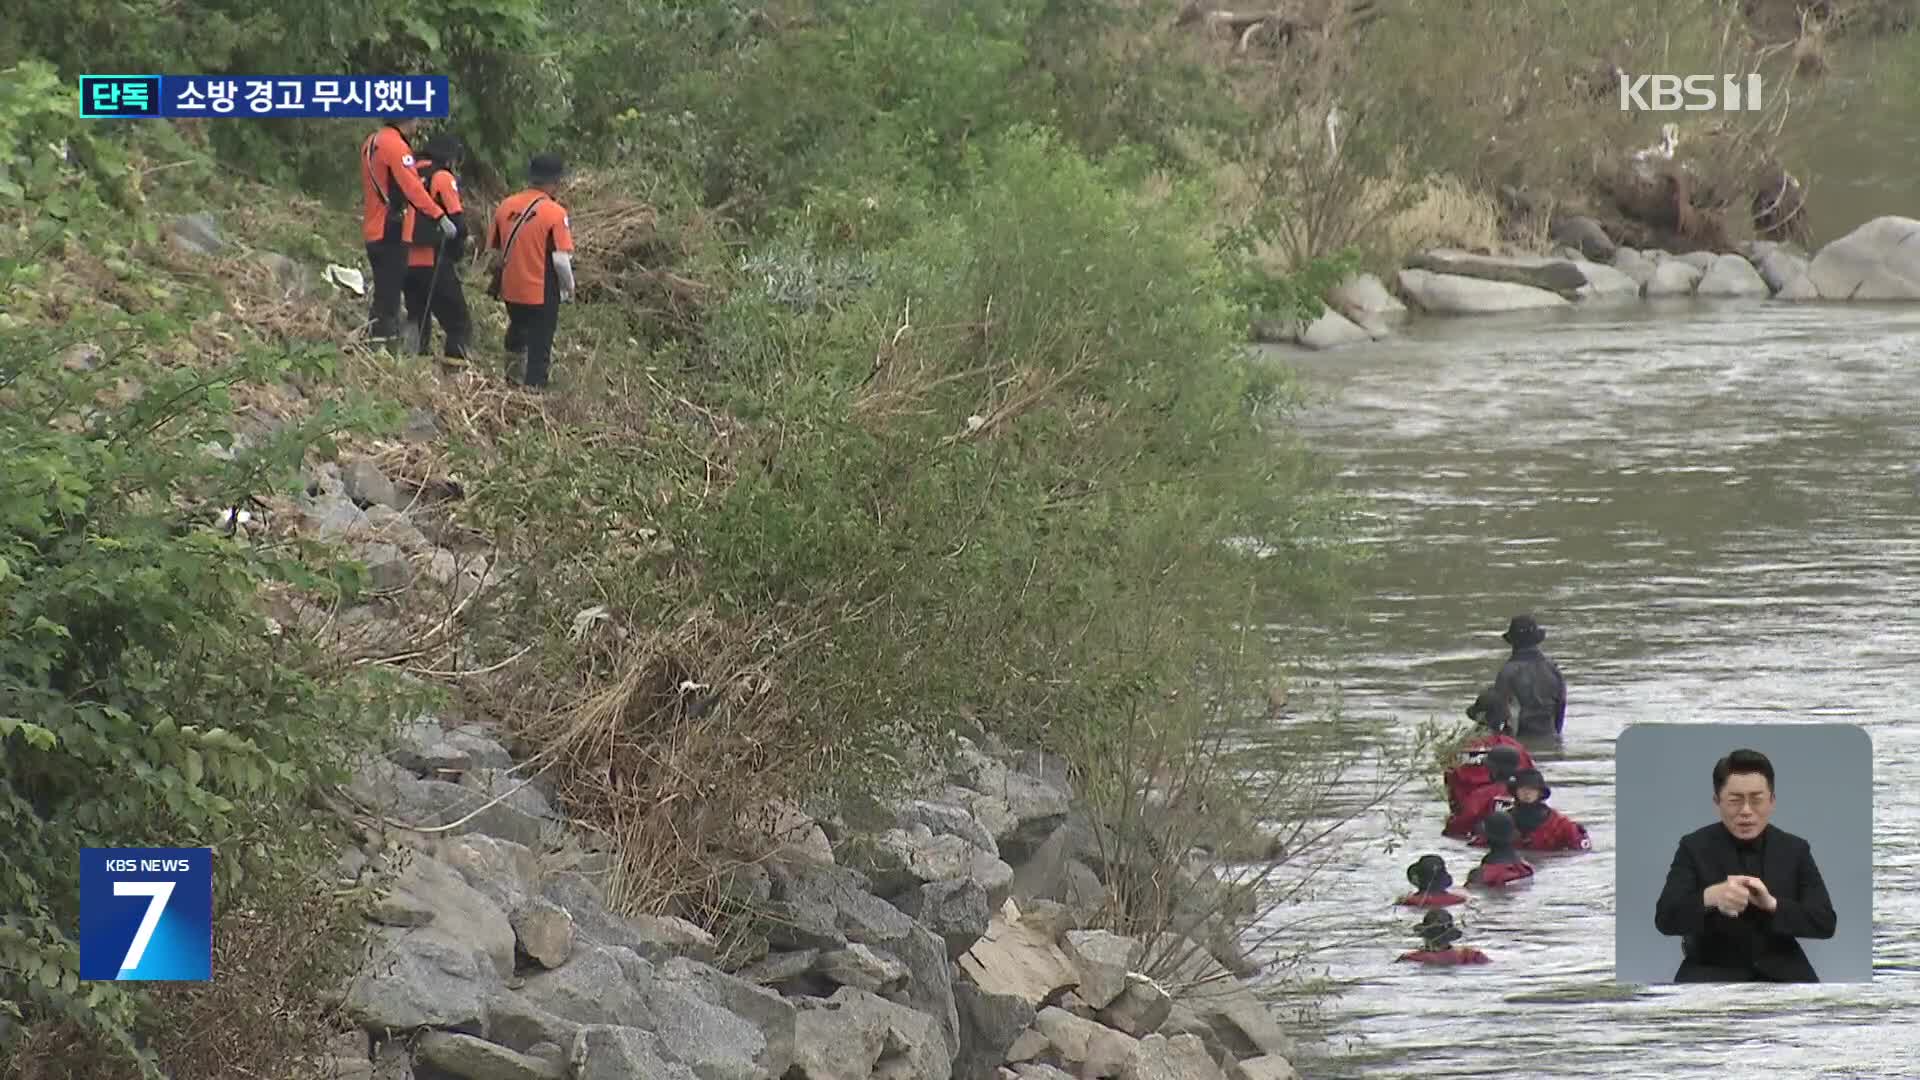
<point x="146" y="914"/>
<point x="153" y="97"/>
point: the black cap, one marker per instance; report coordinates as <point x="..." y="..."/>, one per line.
<point x="1428" y="873"/>
<point x="1437" y="929"/>
<point x="546" y="168"/>
<point x="1530" y="778"/>
<point x="1502" y="762"/>
<point x="444" y="148"/>
<point x="1490" y="708"/>
<point x="1499" y="829"/>
<point x="1522" y="631"/>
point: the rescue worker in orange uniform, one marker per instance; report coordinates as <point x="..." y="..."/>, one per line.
<point x="534" y="271"/>
<point x="390" y="186"/>
<point x="432" y="285"/>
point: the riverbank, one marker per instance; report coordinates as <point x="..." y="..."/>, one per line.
<point x="956" y="942"/>
<point x="1878" y="261"/>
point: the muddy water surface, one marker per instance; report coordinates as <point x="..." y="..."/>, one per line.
<point x="1716" y="512"/>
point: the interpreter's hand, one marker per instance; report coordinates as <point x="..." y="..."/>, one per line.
<point x="566" y="296"/>
<point x="447" y="228"/>
<point x="1730" y="897"/>
<point x="1758" y="893"/>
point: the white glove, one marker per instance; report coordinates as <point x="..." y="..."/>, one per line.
<point x="447" y="228"/>
<point x="566" y="296"/>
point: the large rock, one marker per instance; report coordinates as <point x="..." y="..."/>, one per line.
<point x="624" y="1053"/>
<point x="772" y="1015"/>
<point x="947" y="819"/>
<point x="1558" y="276"/>
<point x="1329" y="330"/>
<point x="1365" y="300"/>
<point x="957" y="911"/>
<point x="1454" y="294"/>
<point x="1673" y="277"/>
<point x="807" y="902"/>
<point x="1786" y="272"/>
<point x="403" y="797"/>
<point x="519" y="1024"/>
<point x="930" y="981"/>
<point x="855" y="1035"/>
<point x="1635" y="265"/>
<point x="657" y="938"/>
<point x="476" y="1059"/>
<point x="1265" y="1067"/>
<point x="1095" y="1050"/>
<point x="501" y="870"/>
<point x="1732" y="276"/>
<point x="428" y="892"/>
<point x="367" y="486"/>
<point x="544" y="931"/>
<point x="902" y="859"/>
<point x="989" y="1024"/>
<point x="1876" y="261"/>
<point x="417" y="978"/>
<point x="1140" y="1009"/>
<point x="1102" y="960"/>
<point x="1182" y="1057"/>
<point x="711" y="1040"/>
<point x="1018" y="961"/>
<point x="862" y="968"/>
<point x="1606" y="284"/>
<point x="1583" y="234"/>
<point x="595" y="987"/>
<point x="424" y="747"/>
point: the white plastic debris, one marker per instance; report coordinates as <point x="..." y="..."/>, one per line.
<point x="346" y="278"/>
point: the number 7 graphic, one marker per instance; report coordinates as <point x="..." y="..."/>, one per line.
<point x="158" y="893"/>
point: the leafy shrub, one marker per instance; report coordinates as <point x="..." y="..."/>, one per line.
<point x="145" y="700"/>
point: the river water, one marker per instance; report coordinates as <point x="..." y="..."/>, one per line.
<point x="1714" y="511"/>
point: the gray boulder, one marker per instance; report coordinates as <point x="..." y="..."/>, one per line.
<point x="476" y="1059"/>
<point x="855" y="1035"/>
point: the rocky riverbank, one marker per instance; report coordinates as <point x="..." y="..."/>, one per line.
<point x="955" y="942"/>
<point x="1877" y="261"/>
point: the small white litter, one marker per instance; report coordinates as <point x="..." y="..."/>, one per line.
<point x="345" y="277"/>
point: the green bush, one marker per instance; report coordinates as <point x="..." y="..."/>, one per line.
<point x="144" y="698"/>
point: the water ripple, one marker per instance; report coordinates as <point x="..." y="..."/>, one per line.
<point x="1713" y="514"/>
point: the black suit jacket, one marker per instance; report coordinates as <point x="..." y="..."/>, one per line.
<point x="1758" y="946"/>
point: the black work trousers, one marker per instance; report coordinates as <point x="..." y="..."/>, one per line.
<point x="389" y="261"/>
<point x="440" y="298"/>
<point x="530" y="329"/>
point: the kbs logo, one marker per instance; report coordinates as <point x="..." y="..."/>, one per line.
<point x="1691" y="93"/>
<point x="146" y="914"/>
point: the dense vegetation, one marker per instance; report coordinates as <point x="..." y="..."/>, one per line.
<point x="905" y="397"/>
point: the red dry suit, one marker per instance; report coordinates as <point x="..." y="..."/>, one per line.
<point x="1557" y="833"/>
<point x="1447" y="957"/>
<point x="1430" y="900"/>
<point x="1471" y="773"/>
<point x="1496" y="875"/>
<point x="1474" y="809"/>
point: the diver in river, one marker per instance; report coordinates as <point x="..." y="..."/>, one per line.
<point x="1532" y="681"/>
<point x="1492" y="711"/>
<point x="1540" y="827"/>
<point x="1437" y="936"/>
<point x="1500" y="765"/>
<point x="1502" y="865"/>
<point x="1469" y="770"/>
<point x="1430" y="880"/>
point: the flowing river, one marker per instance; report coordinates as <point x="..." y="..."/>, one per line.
<point x="1715" y="511"/>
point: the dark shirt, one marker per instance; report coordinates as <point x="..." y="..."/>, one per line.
<point x="1756" y="946"/>
<point x="1533" y="682"/>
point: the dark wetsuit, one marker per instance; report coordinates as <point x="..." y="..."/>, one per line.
<point x="1539" y="692"/>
